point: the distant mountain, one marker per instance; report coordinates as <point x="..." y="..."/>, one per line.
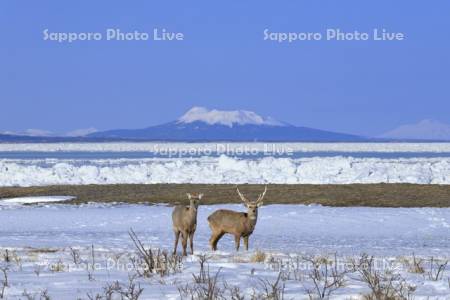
<point x="17" y="138"/>
<point x="201" y="124"/>
<point x="32" y="132"/>
<point x="423" y="130"/>
<point x="11" y="138"/>
<point x="45" y="133"/>
<point x="44" y="136"/>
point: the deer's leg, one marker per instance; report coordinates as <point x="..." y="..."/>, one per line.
<point x="177" y="236"/>
<point x="191" y="241"/>
<point x="237" y="241"/>
<point x="218" y="238"/>
<point x="211" y="241"/>
<point x="246" y="242"/>
<point x="184" y="236"/>
<point x="215" y="239"/>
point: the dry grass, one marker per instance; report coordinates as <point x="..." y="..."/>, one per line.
<point x="415" y="265"/>
<point x="383" y="284"/>
<point x="57" y="267"/>
<point x="153" y="261"/>
<point x="375" y="195"/>
<point x="42" y="250"/>
<point x="258" y="257"/>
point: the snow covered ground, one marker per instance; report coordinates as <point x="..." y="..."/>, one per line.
<point x="225" y="169"/>
<point x="280" y="227"/>
<point x="71" y="252"/>
<point x="38" y="238"/>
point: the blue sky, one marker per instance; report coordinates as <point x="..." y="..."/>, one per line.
<point x="361" y="87"/>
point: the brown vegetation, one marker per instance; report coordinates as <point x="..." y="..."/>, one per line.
<point x="376" y="195"/>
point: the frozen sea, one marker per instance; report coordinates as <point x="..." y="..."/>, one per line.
<point x="290" y="163"/>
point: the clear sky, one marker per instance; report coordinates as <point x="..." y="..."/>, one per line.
<point x="361" y="87"/>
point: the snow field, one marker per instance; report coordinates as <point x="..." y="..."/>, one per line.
<point x="41" y="240"/>
<point x="35" y="271"/>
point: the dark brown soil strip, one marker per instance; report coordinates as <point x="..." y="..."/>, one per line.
<point x="375" y="195"/>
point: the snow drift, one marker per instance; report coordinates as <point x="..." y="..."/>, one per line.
<point x="224" y="169"/>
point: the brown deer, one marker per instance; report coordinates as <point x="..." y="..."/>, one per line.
<point x="184" y="222"/>
<point x="239" y="224"/>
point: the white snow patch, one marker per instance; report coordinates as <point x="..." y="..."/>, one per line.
<point x="226" y="117"/>
<point x="35" y="199"/>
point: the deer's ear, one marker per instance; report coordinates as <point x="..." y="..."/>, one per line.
<point x="259" y="204"/>
<point x="189" y="196"/>
<point x="200" y="196"/>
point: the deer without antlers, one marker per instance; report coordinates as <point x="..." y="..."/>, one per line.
<point x="239" y="224"/>
<point x="184" y="222"/>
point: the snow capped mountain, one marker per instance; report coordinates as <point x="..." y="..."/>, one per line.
<point x="201" y="124"/>
<point x="227" y="118"/>
<point x="45" y="133"/>
<point x="29" y="132"/>
<point x="424" y="130"/>
<point x="44" y="136"/>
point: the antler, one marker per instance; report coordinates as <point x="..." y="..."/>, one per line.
<point x="261" y="196"/>
<point x="242" y="196"/>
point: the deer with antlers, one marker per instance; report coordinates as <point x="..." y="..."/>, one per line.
<point x="184" y="222"/>
<point x="239" y="224"/>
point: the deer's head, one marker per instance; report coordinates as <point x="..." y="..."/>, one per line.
<point x="194" y="199"/>
<point x="252" y="206"/>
